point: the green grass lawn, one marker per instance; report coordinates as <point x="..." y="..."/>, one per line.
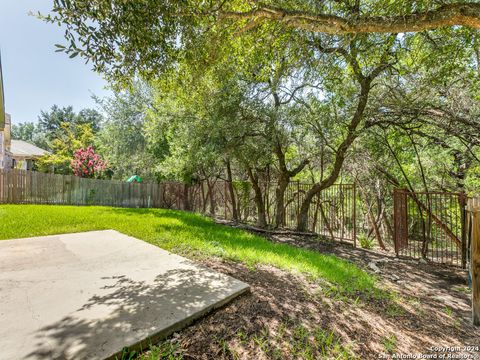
<point x="184" y="233"/>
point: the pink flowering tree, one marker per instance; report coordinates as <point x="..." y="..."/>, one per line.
<point x="86" y="163"/>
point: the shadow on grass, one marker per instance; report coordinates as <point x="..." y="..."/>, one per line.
<point x="202" y="234"/>
<point x="188" y="218"/>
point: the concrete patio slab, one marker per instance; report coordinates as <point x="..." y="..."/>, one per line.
<point x="89" y="295"/>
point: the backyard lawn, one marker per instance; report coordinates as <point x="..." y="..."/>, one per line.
<point x="310" y="298"/>
<point x="187" y="234"/>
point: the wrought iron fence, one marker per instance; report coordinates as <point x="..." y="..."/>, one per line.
<point x="430" y="226"/>
<point x="332" y="212"/>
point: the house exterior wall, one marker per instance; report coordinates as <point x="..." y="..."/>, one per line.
<point x="5" y="142"/>
<point x="22" y="163"/>
<point x="2" y="150"/>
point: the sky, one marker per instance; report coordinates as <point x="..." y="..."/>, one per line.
<point x="35" y="76"/>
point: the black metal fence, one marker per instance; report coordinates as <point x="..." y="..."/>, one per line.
<point x="430" y="225"/>
<point x="332" y="212"/>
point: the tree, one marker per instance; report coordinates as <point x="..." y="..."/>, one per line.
<point x="276" y="90"/>
<point x="91" y="117"/>
<point x="51" y="125"/>
<point x="363" y="69"/>
<point x="23" y="131"/>
<point x="50" y="121"/>
<point x="209" y="127"/>
<point x="30" y="132"/>
<point x="123" y="39"/>
<point x="65" y="131"/>
<point x="422" y="137"/>
<point x="70" y="139"/>
<point x="432" y="104"/>
<point x="53" y="121"/>
<point x="122" y="141"/>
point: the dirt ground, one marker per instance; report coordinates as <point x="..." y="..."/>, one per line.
<point x="290" y="317"/>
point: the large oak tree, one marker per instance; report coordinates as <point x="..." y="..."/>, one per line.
<point x="124" y="38"/>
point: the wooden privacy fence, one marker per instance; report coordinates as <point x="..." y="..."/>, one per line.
<point x="332" y="212"/>
<point x="28" y="187"/>
<point x="473" y="254"/>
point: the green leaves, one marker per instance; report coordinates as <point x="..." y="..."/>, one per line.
<point x="125" y="39"/>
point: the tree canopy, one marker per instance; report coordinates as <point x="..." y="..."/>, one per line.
<point x="125" y="38"/>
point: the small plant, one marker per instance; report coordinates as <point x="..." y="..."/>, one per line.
<point x="300" y="333"/>
<point x="127" y="354"/>
<point x="448" y="311"/>
<point x="262" y="339"/>
<point x="242" y="336"/>
<point x="390" y="344"/>
<point x="393" y="310"/>
<point x="165" y="350"/>
<point x="357" y="302"/>
<point x="324" y="339"/>
<point x="464" y="289"/>
<point x="225" y="348"/>
<point x="365" y="242"/>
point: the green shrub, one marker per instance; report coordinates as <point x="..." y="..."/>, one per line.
<point x="365" y="242"/>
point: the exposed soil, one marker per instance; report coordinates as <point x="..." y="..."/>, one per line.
<point x="290" y="317"/>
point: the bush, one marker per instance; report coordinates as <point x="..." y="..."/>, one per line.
<point x="86" y="163"/>
<point x="365" y="242"/>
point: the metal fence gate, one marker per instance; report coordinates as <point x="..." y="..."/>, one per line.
<point x="430" y="226"/>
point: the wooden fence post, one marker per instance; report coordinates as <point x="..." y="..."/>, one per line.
<point x="475" y="260"/>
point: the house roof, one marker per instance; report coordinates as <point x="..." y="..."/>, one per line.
<point x="24" y="149"/>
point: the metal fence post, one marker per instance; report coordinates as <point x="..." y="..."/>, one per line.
<point x="298" y="200"/>
<point x="354" y="211"/>
<point x="225" y="199"/>
<point x="463" y="217"/>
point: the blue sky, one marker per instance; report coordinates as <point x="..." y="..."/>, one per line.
<point x="35" y="76"/>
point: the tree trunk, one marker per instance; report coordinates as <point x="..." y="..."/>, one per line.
<point x="280" y="199"/>
<point x="302" y="219"/>
<point x="376" y="230"/>
<point x="261" y="217"/>
<point x="231" y="190"/>
<point x="212" y="197"/>
<point x="387" y="225"/>
<point x="186" y="200"/>
<point x="283" y="181"/>
<point x="325" y="221"/>
<point x="204" y="198"/>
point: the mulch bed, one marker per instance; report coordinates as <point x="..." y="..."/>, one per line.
<point x="284" y="313"/>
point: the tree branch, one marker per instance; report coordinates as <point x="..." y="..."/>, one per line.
<point x="464" y="14"/>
